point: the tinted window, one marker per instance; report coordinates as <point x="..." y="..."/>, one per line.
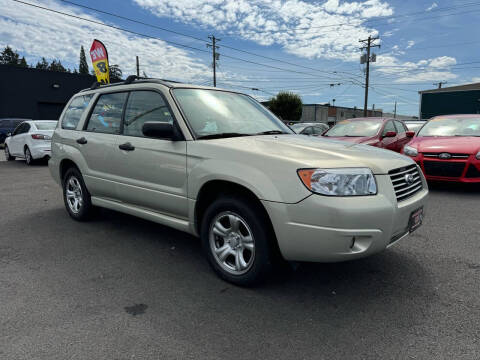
<point x="143" y="106"/>
<point x="14" y="123"/>
<point x="75" y="111"/>
<point x="389" y="127"/>
<point x="107" y="114"/>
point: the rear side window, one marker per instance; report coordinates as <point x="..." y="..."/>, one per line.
<point x="107" y="114"/>
<point x="45" y="125"/>
<point x="74" y="112"/>
<point x="307" y="131"/>
<point x="143" y="106"/>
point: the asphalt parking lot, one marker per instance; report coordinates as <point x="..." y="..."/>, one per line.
<point x="124" y="288"/>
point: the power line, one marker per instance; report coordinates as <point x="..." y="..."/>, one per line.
<point x="132" y="20"/>
<point x="382" y="19"/>
<point x="196" y="38"/>
<point x="110" y="26"/>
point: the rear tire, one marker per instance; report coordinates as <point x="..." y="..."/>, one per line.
<point x="236" y="240"/>
<point x="28" y="156"/>
<point x="7" y="154"/>
<point x="76" y="197"/>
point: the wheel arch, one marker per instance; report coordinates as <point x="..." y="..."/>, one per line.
<point x="214" y="189"/>
<point x="66" y="164"/>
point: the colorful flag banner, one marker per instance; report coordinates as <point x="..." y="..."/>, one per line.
<point x="99" y="56"/>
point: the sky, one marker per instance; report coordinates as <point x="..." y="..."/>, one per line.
<point x="308" y="47"/>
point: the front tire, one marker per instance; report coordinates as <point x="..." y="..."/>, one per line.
<point x="236" y="240"/>
<point x="28" y="156"/>
<point x="7" y="154"/>
<point x="76" y="196"/>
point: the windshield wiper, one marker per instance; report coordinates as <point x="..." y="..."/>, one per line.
<point x="466" y="135"/>
<point x="271" y="132"/>
<point x="222" y="135"/>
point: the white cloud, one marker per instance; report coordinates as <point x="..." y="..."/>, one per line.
<point x="424" y="70"/>
<point x="475" y="79"/>
<point x="431" y="7"/>
<point x="410" y="44"/>
<point x="306" y="29"/>
<point x="36" y="33"/>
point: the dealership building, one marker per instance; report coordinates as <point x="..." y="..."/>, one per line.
<point x="462" y="99"/>
<point x="37" y="94"/>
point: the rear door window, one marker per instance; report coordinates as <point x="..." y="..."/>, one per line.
<point x="307" y="131"/>
<point x="75" y="111"/>
<point x="106" y="116"/>
<point x="143" y="106"/>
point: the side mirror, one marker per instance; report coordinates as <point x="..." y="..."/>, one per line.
<point x="9" y="134"/>
<point x="390" y="134"/>
<point x="160" y="130"/>
<point x="410" y="134"/>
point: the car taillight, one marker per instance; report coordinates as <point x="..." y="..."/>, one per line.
<point x="41" y="137"/>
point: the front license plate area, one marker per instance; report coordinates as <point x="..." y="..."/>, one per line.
<point x="416" y="220"/>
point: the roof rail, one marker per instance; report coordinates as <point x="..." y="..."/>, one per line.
<point x="130" y="79"/>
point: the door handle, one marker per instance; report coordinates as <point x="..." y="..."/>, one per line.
<point x="127" y="147"/>
<point x="82" y="141"/>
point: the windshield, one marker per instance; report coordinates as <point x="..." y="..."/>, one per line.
<point x="458" y="126"/>
<point x="46" y="125"/>
<point x="211" y="113"/>
<point x="357" y="128"/>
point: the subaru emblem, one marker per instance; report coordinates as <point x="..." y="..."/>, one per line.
<point x="445" y="156"/>
<point x="409" y="179"/>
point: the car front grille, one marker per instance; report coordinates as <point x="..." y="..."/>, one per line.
<point x="403" y="188"/>
<point x="453" y="156"/>
<point x="443" y="168"/>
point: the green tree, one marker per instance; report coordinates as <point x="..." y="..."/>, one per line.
<point x="115" y="73"/>
<point x="83" y="67"/>
<point x="23" y="62"/>
<point x="9" y="56"/>
<point x="42" y="64"/>
<point x="56" y="65"/>
<point x="286" y="105"/>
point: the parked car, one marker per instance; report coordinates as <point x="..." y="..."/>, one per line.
<point x="30" y="140"/>
<point x="414" y="125"/>
<point x="448" y="148"/>
<point x="384" y="133"/>
<point x="315" y="128"/>
<point x="217" y="164"/>
<point x="7" y="126"/>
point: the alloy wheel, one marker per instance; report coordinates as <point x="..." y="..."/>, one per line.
<point x="232" y="243"/>
<point x="74" y="194"/>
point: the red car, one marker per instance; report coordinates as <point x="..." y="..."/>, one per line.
<point x="384" y="133"/>
<point x="448" y="148"/>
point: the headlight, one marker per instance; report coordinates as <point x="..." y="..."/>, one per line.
<point x="339" y="182"/>
<point x="478" y="156"/>
<point x="410" y="151"/>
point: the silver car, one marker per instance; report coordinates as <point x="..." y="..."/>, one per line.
<point x="218" y="165"/>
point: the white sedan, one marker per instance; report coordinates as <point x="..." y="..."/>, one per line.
<point x="31" y="140"/>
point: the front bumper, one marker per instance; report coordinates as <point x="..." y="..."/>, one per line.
<point x="331" y="229"/>
<point x="465" y="170"/>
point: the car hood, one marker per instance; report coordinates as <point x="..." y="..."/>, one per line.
<point x="352" y="139"/>
<point x="450" y="144"/>
<point x="299" y="151"/>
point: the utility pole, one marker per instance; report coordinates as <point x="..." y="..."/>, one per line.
<point x="395" y="110"/>
<point x="440" y="83"/>
<point x="366" y="58"/>
<point x="138" y="67"/>
<point x="215" y="57"/>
